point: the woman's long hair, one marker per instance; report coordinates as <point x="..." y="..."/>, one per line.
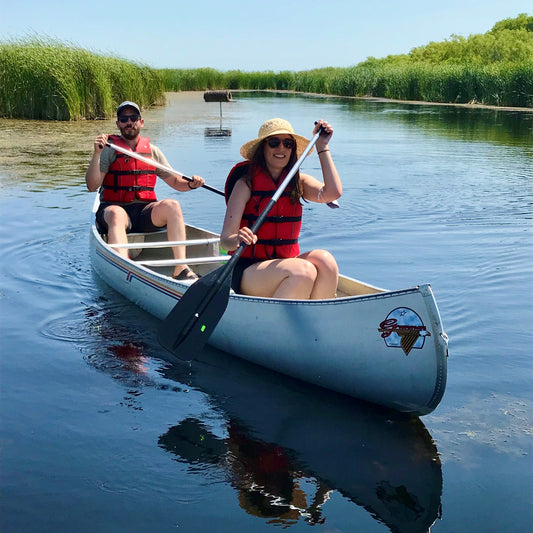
<point x="259" y="160"/>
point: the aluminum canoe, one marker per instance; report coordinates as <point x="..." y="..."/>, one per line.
<point x="387" y="347"/>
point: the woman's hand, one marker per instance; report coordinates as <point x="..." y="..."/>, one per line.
<point x="325" y="136"/>
<point x="245" y="235"/>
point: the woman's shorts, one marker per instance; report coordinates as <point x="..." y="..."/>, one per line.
<point x="242" y="264"/>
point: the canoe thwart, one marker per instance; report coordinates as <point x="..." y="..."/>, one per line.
<point x="186" y="261"/>
<point x="166" y="244"/>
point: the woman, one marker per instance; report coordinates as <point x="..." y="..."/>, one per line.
<point x="271" y="265"/>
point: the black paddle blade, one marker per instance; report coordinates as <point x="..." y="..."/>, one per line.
<point x="187" y="328"/>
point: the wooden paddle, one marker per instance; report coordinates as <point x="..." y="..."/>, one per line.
<point x="188" y="326"/>
<point x="148" y="161"/>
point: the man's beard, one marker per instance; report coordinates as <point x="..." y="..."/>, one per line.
<point x="130" y="134"/>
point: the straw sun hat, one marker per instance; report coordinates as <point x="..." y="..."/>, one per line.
<point x="274" y="126"/>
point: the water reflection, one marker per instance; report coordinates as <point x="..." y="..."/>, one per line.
<point x="268" y="482"/>
<point x="113" y="347"/>
<point x="217" y="132"/>
<point x="287" y="447"/>
<point x="502" y="126"/>
<point x="509" y="128"/>
<point x="49" y="154"/>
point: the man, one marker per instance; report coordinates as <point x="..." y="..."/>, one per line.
<point x="127" y="198"/>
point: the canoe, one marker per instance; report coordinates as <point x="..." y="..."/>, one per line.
<point x="386" y="347"/>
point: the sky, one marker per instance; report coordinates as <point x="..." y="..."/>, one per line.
<point x="251" y="35"/>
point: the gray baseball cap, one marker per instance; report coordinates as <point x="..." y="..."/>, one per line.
<point x="127" y="104"/>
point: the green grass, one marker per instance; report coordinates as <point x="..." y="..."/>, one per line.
<point x="499" y="84"/>
<point x="44" y="79"/>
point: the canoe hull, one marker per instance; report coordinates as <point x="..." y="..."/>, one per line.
<point x="387" y="347"/>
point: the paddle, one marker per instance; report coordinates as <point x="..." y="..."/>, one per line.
<point x="135" y="155"/>
<point x="191" y="322"/>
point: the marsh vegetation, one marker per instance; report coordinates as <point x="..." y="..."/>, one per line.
<point x="45" y="79"/>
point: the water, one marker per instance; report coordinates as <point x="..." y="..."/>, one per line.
<point x="100" y="433"/>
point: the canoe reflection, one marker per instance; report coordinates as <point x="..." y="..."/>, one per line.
<point x="287" y="446"/>
<point x="267" y="481"/>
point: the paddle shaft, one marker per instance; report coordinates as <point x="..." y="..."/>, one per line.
<point x="159" y="166"/>
<point x="213" y="286"/>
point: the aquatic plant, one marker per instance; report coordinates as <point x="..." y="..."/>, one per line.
<point x="46" y="79"/>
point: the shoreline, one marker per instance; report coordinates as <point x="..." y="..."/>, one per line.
<point x="392" y="100"/>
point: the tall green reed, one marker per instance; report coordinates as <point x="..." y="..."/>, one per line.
<point x="500" y="84"/>
<point x="45" y="79"/>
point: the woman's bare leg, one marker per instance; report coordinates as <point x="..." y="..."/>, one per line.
<point x="325" y="285"/>
<point x="292" y="278"/>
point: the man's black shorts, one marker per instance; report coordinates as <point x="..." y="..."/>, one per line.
<point x="139" y="214"/>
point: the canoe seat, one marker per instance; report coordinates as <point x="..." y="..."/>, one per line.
<point x="135" y="237"/>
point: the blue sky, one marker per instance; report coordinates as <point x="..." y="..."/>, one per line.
<point x="252" y="34"/>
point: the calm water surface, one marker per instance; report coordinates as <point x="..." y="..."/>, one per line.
<point x="100" y="433"/>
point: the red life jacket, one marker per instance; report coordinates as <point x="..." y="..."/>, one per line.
<point x="278" y="236"/>
<point x="129" y="178"/>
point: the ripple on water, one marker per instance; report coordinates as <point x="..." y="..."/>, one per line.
<point x="65" y="328"/>
<point x="107" y="333"/>
<point x="58" y="264"/>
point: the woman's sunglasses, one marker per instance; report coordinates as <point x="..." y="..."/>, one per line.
<point x="124" y="118"/>
<point x="274" y="142"/>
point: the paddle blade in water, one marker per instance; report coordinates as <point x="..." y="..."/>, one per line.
<point x="187" y="328"/>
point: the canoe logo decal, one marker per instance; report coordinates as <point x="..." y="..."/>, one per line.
<point x="403" y="329"/>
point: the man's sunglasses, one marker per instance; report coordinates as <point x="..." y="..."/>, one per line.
<point x="274" y="142"/>
<point x="124" y="118"/>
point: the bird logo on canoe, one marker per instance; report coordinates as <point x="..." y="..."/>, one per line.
<point x="403" y="329"/>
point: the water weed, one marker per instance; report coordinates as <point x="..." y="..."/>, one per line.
<point x="45" y="79"/>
